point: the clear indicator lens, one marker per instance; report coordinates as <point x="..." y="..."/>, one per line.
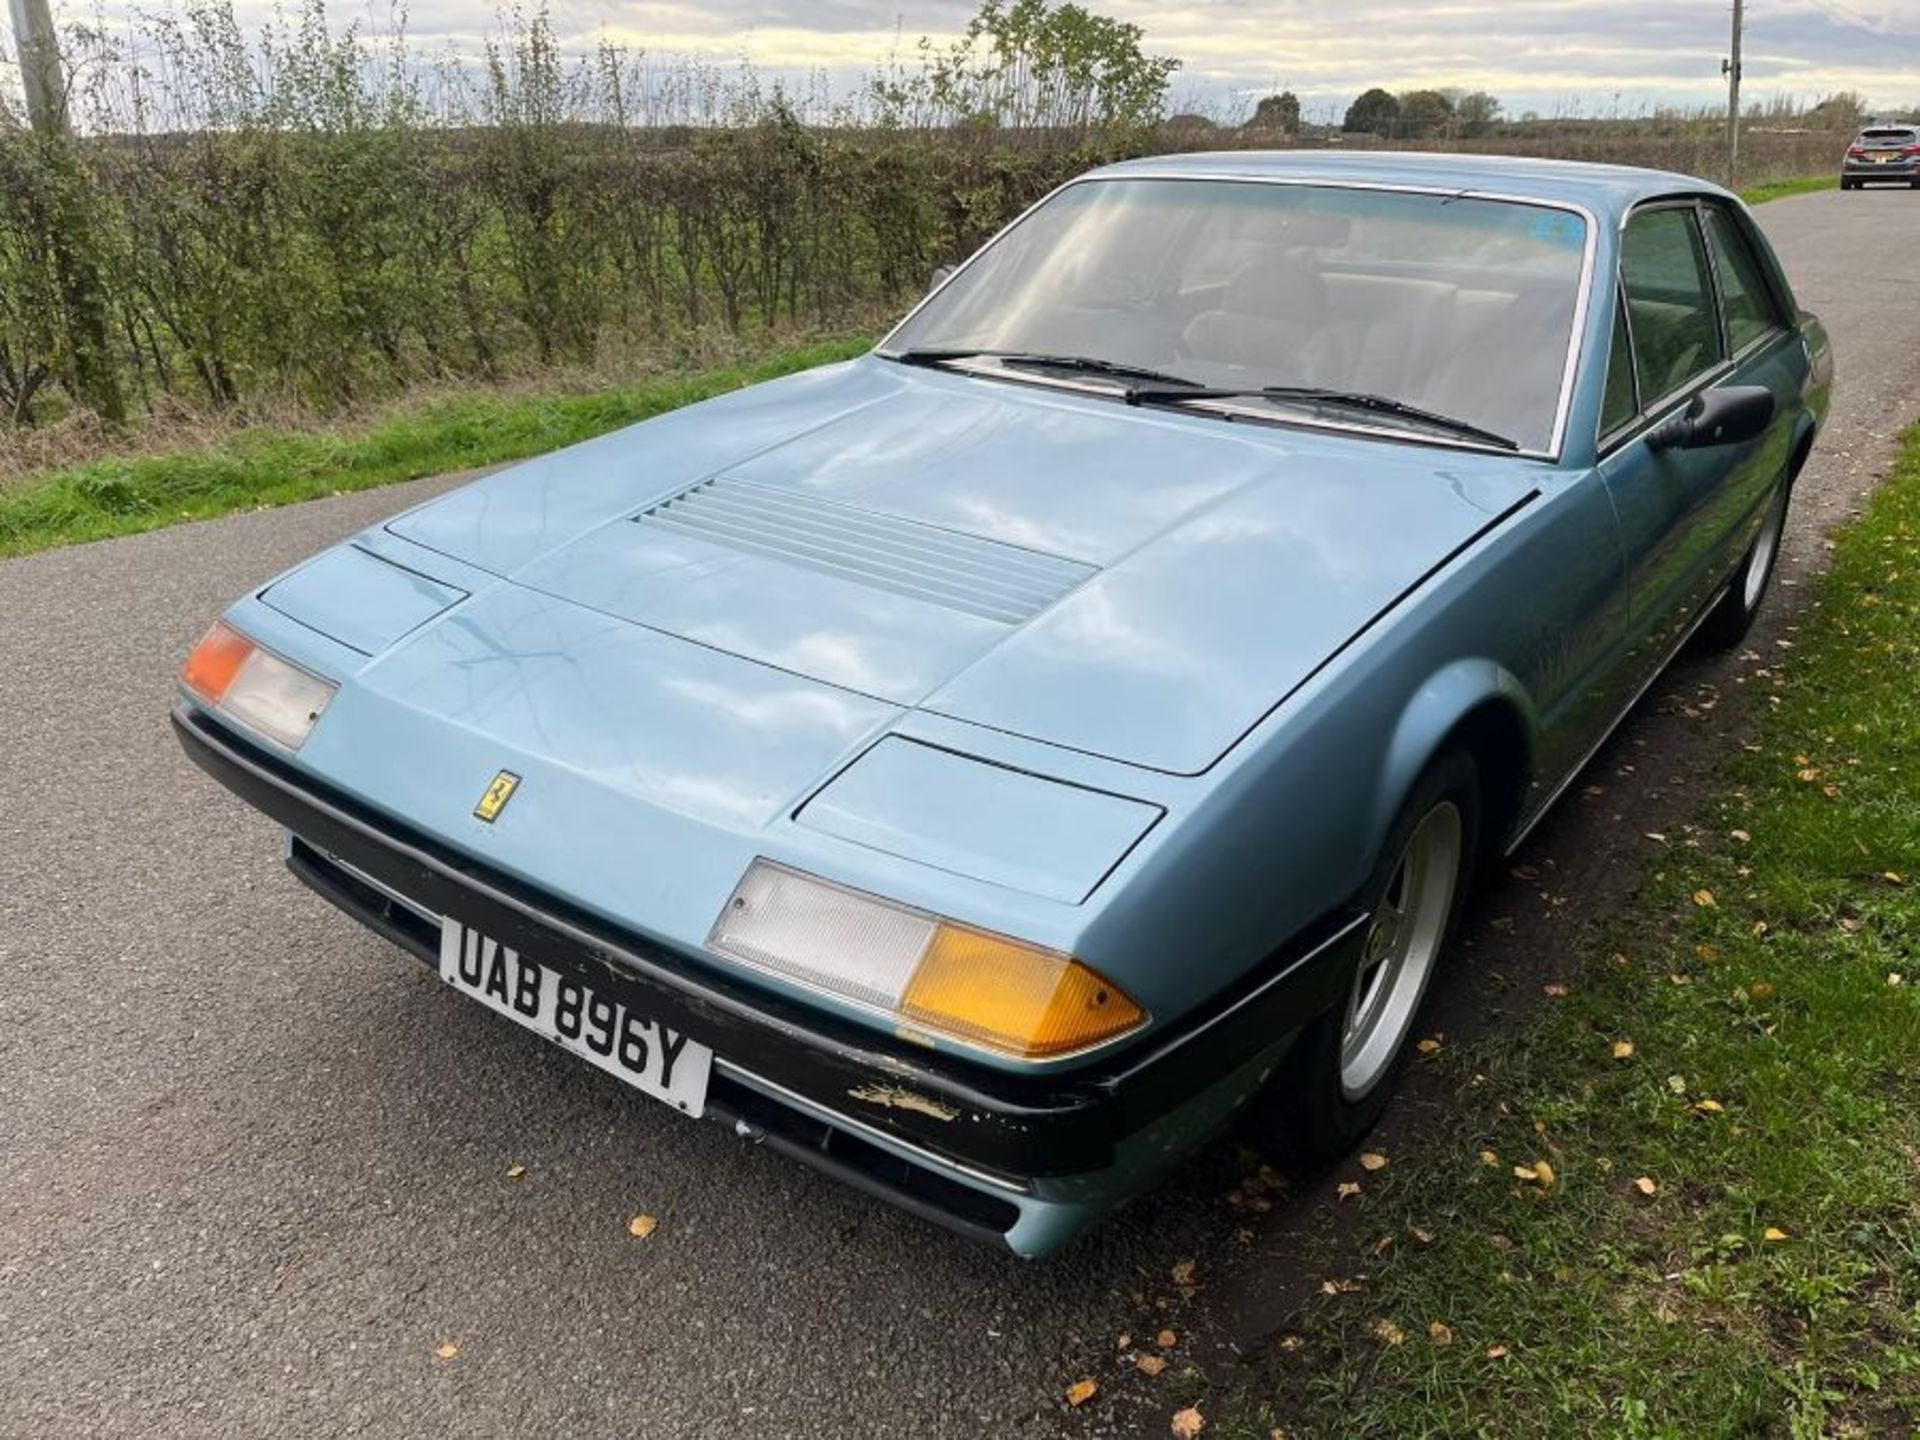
<point x="826" y="936"/>
<point x="279" y="700"/>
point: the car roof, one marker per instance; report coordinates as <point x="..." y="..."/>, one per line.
<point x="1604" y="189"/>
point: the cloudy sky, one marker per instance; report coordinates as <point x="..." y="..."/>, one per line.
<point x="1541" y="54"/>
<point x="1546" y="55"/>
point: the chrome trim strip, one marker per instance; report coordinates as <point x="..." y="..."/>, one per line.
<point x="931" y="1159"/>
<point x="1582" y="303"/>
<point x="365" y="879"/>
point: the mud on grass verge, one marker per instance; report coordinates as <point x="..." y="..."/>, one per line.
<point x="1685" y="1200"/>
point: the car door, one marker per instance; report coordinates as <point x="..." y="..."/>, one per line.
<point x="1696" y="312"/>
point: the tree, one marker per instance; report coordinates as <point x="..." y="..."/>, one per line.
<point x="1374" y="113"/>
<point x="1845" y="111"/>
<point x="1475" y="114"/>
<point x="1030" y="63"/>
<point x="1277" y="112"/>
<point x="1424" y="113"/>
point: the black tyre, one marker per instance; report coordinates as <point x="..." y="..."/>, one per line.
<point x="1733" y="617"/>
<point x="1343" y="1068"/>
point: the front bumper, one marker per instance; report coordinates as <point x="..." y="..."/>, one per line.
<point x="1017" y="1159"/>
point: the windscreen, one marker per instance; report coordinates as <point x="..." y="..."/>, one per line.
<point x="1456" y="305"/>
<point x="1903" y="136"/>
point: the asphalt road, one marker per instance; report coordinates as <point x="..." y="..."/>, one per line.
<point x="254" y="1163"/>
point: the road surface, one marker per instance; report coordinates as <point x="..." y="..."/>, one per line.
<point x="256" y="1163"/>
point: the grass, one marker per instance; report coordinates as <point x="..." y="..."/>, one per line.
<point x="268" y="466"/>
<point x="1781" y="189"/>
<point x="1766" y="1278"/>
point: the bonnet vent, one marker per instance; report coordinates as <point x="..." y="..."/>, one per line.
<point x="906" y="557"/>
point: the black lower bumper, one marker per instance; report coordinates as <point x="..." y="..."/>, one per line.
<point x="1020" y="1127"/>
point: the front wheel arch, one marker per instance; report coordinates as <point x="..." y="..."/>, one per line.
<point x="1479" y="706"/>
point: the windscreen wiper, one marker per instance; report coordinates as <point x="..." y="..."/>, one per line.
<point x="1315" y="395"/>
<point x="1081" y="364"/>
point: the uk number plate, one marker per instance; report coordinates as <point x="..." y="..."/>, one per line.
<point x="603" y="1031"/>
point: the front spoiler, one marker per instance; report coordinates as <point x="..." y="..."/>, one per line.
<point x="1021" y="1127"/>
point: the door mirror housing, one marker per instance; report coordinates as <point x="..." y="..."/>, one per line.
<point x="939" y="278"/>
<point x="1730" y="416"/>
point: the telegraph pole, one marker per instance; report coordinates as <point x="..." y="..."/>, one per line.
<point x="63" y="210"/>
<point x="40" y="72"/>
<point x="1732" y="69"/>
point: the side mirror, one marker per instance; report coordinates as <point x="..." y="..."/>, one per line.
<point x="939" y="278"/>
<point x="1731" y="416"/>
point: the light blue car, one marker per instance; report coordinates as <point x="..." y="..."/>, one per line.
<point x="983" y="769"/>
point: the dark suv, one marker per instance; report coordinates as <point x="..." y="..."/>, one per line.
<point x="1884" y="153"/>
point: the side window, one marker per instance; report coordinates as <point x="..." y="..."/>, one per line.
<point x="1676" y="330"/>
<point x="1621" y="403"/>
<point x="1744" y="293"/>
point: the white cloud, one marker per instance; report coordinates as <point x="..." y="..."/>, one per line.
<point x="1544" y="54"/>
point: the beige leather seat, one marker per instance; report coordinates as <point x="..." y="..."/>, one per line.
<point x="1395" y="331"/>
<point x="1273" y="320"/>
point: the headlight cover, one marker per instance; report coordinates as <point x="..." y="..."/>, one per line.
<point x="267" y="694"/>
<point x="930" y="974"/>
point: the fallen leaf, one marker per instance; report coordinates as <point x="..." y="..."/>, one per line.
<point x="1896" y="979"/>
<point x="514" y="1172"/>
<point x="1150" y="1364"/>
<point x="1182" y="1272"/>
<point x="1496" y="1352"/>
<point x="1166" y="1339"/>
<point x="1742" y="836"/>
<point x="1425" y="1237"/>
<point x="1773" y="1233"/>
<point x="1704" y="899"/>
<point x="1429" y="1046"/>
<point x="1388" y="1333"/>
<point x="1372" y="1160"/>
<point x="1440" y="1334"/>
<point x="1556" y="992"/>
<point x="641" y="1226"/>
<point x="1761" y="991"/>
<point x="1188" y="1423"/>
<point x="1082" y="1391"/>
<point x="1540" y="1173"/>
<point x="1893" y="877"/>
<point x="447" y="1351"/>
<point x="1489" y="1157"/>
<point x="1623" y="1049"/>
<point x="1340" y="1285"/>
<point x="1709" y="1107"/>
<point x="1347" y="1189"/>
<point x="1647" y="1185"/>
<point x="1677" y="1084"/>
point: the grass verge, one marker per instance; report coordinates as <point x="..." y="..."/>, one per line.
<point x="1686" y="1200"/>
<point x="1781" y="189"/>
<point x="271" y="466"/>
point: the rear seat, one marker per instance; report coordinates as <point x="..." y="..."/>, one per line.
<point x="1392" y="328"/>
